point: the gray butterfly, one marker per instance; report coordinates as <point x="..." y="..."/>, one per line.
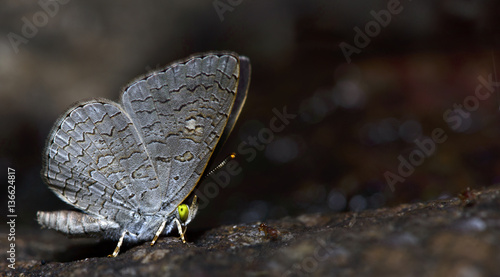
<point x="130" y="166"/>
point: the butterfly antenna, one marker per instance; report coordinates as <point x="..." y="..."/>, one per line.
<point x="222" y="164"/>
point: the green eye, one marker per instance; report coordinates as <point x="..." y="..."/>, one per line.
<point x="183" y="212"/>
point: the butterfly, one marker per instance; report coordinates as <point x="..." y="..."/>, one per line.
<point x="130" y="166"/>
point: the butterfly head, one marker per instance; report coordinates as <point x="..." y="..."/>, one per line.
<point x="183" y="213"/>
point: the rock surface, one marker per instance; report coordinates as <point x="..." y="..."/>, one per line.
<point x="452" y="237"/>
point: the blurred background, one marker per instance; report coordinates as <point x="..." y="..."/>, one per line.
<point x="361" y="82"/>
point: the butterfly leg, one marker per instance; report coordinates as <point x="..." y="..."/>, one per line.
<point x="160" y="230"/>
<point x="117" y="249"/>
<point x="181" y="230"/>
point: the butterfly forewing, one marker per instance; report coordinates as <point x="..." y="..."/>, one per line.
<point x="180" y="113"/>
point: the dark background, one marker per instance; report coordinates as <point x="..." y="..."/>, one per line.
<point x="353" y="120"/>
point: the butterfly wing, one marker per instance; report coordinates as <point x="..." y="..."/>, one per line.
<point x="95" y="160"/>
<point x="180" y="113"/>
<point x="148" y="154"/>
